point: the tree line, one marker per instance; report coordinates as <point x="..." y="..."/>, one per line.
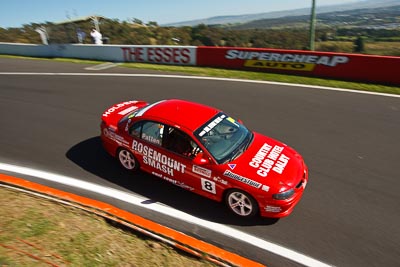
<point x="135" y="32"/>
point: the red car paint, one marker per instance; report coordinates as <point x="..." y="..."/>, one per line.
<point x="224" y="161"/>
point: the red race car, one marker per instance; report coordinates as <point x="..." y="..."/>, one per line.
<point x="204" y="150"/>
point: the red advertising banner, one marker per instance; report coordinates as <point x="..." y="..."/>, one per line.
<point x="353" y="67"/>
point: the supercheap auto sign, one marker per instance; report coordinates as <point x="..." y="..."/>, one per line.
<point x="284" y="61"/>
<point x="344" y="66"/>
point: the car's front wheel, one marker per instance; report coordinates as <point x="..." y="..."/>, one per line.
<point x="127" y="160"/>
<point x="241" y="203"/>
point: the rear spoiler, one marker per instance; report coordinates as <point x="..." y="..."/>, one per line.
<point x="115" y="113"/>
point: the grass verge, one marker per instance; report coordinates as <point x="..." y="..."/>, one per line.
<point x="39" y="232"/>
<point x="246" y="75"/>
<point x="262" y="76"/>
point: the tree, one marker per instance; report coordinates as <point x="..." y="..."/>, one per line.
<point x="137" y="21"/>
<point x="152" y="24"/>
<point x="359" y="46"/>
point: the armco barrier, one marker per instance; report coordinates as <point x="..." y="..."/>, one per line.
<point x="352" y="67"/>
<point x="341" y="66"/>
<point x="30" y="50"/>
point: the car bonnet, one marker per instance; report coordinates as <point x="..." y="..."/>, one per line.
<point x="267" y="164"/>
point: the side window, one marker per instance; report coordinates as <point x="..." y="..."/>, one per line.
<point x="153" y="132"/>
<point x="136" y="129"/>
<point x="148" y="130"/>
<point x="180" y="143"/>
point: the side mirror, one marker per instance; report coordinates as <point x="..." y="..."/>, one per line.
<point x="200" y="159"/>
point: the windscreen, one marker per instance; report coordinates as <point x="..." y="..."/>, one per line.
<point x="224" y="137"/>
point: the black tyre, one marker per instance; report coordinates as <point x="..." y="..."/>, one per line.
<point x="127" y="160"/>
<point x="241" y="203"/>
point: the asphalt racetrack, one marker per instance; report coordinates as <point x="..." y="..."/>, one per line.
<point x="350" y="211"/>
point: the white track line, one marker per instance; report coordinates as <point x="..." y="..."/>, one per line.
<point x="144" y="203"/>
<point x="103" y="66"/>
<point x="198" y="78"/>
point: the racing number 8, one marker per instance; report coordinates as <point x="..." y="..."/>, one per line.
<point x="208" y="186"/>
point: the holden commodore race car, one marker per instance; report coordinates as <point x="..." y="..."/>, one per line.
<point x="204" y="150"/>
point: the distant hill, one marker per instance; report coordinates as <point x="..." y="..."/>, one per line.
<point x="372" y="18"/>
<point x="237" y="19"/>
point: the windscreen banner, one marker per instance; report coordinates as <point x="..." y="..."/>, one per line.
<point x="354" y="67"/>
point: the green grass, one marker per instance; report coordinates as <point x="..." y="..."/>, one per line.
<point x="261" y="76"/>
<point x="67" y="236"/>
<point x="246" y="75"/>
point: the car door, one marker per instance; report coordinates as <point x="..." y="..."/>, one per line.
<point x="149" y="147"/>
<point x="168" y="153"/>
<point x="183" y="148"/>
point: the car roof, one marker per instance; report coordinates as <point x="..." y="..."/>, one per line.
<point x="181" y="113"/>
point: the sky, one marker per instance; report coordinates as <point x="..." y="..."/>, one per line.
<point x="15" y="13"/>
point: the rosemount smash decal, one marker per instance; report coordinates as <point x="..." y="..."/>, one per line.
<point x="242" y="179"/>
<point x="285" y="61"/>
<point x="158" y="160"/>
<point x="268" y="158"/>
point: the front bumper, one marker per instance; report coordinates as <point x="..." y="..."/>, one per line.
<point x="272" y="208"/>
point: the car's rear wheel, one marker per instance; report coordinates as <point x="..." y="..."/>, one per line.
<point x="241" y="203"/>
<point x="127" y="160"/>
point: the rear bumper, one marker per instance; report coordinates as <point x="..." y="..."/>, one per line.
<point x="109" y="145"/>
